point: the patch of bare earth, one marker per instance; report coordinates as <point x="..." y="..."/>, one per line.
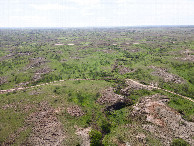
<point x="59" y="44"/>
<point x="46" y="130"/>
<point x="38" y="74"/>
<point x="112" y="100"/>
<point x="84" y="134"/>
<point x="23" y="84"/>
<point x="133" y="85"/>
<point x="124" y="70"/>
<point x="109" y="97"/>
<point x="36" y="62"/>
<point x="168" y="77"/>
<point x="11" y="139"/>
<point x="18" y="107"/>
<point x="165" y="122"/>
<point x="75" y="111"/>
<point x="3" y="80"/>
<point x="187" y="55"/>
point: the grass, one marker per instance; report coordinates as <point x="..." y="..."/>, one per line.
<point x="91" y="57"/>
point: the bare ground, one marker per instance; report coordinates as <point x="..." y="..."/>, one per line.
<point x="133" y="85"/>
<point x="168" y="77"/>
<point x="11" y="139"/>
<point x="75" y="111"/>
<point x="35" y="62"/>
<point x="38" y="74"/>
<point x="47" y="130"/>
<point x="3" y="80"/>
<point x="124" y="70"/>
<point x="187" y="55"/>
<point x="164" y="122"/>
<point x="109" y="97"/>
<point x="84" y="133"/>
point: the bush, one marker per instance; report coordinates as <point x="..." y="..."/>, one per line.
<point x="105" y="127"/>
<point x="179" y="142"/>
<point x="95" y="138"/>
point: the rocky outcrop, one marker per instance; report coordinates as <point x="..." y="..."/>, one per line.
<point x="163" y="121"/>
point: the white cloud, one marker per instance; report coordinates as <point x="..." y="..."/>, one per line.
<point x="86" y="2"/>
<point x="50" y="7"/>
<point x="29" y="21"/>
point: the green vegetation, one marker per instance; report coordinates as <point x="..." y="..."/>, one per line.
<point x="95" y="137"/>
<point x="108" y="56"/>
<point x="179" y="142"/>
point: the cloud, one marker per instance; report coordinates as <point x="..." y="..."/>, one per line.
<point x="86" y="2"/>
<point x="50" y="7"/>
<point x="29" y="21"/>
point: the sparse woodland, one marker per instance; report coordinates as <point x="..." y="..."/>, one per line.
<point x="105" y="110"/>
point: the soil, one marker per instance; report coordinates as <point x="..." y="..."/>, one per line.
<point x="124" y="70"/>
<point x="75" y="111"/>
<point x="3" y="80"/>
<point x="168" y="77"/>
<point x="11" y="139"/>
<point x="19" y="106"/>
<point x="133" y="85"/>
<point x="38" y="74"/>
<point x="109" y="97"/>
<point x="163" y="121"/>
<point x="36" y="62"/>
<point x="44" y="70"/>
<point x="70" y="44"/>
<point x="14" y="54"/>
<point x="59" y="44"/>
<point x="84" y="133"/>
<point x="187" y="55"/>
<point x="46" y="130"/>
<point x="23" y="84"/>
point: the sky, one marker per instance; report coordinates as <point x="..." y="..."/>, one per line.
<point x="95" y="13"/>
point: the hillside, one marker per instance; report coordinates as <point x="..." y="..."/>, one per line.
<point x="97" y="86"/>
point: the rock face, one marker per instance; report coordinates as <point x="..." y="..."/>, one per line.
<point x="165" y="122"/>
<point x="47" y="130"/>
<point x="75" y="111"/>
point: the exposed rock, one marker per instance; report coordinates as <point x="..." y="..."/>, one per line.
<point x="124" y="70"/>
<point x="11" y="139"/>
<point x="112" y="100"/>
<point x="19" y="106"/>
<point x="3" y="80"/>
<point x="168" y="77"/>
<point x="141" y="137"/>
<point x="187" y="55"/>
<point x="84" y="133"/>
<point x="109" y="97"/>
<point x="166" y="123"/>
<point x="133" y="85"/>
<point x="44" y="70"/>
<point x="36" y="62"/>
<point x="75" y="111"/>
<point x="38" y="74"/>
<point x="47" y="130"/>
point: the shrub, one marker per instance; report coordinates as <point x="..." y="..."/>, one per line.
<point x="179" y="142"/>
<point x="105" y="126"/>
<point x="95" y="138"/>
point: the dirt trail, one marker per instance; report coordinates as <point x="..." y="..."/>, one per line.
<point x="148" y="87"/>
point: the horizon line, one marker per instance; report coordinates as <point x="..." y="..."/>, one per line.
<point x="98" y="26"/>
